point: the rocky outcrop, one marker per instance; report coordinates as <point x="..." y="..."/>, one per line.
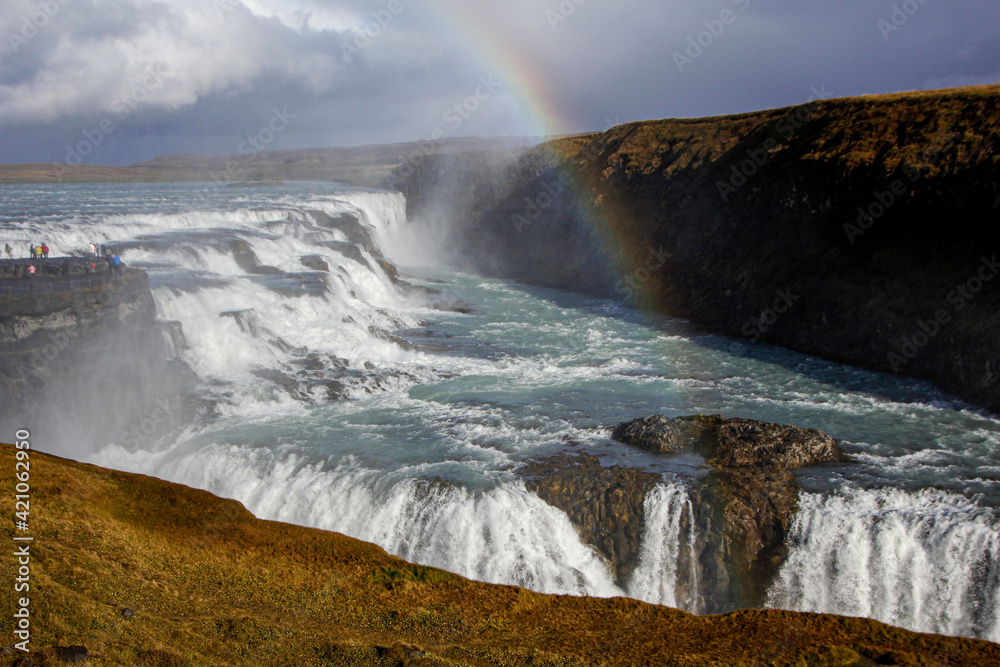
<point x="862" y="230"/>
<point x="731" y="443"/>
<point x="744" y="507"/>
<point x="88" y="365"/>
<point x="605" y="504"/>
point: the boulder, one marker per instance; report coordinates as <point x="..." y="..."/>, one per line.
<point x="731" y="443"/>
<point x="315" y="262"/>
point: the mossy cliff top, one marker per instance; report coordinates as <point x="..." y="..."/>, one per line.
<point x="202" y="582"/>
<point x="941" y="129"/>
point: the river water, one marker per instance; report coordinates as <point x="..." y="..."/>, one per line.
<point x="908" y="533"/>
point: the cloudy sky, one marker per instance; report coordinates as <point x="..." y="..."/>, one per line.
<point x="119" y="81"/>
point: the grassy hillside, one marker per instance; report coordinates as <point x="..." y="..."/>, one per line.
<point x="143" y="572"/>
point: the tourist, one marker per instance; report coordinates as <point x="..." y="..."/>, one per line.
<point x="31" y="270"/>
<point x="9" y="250"/>
<point x="45" y="251"/>
<point x="31" y="251"/>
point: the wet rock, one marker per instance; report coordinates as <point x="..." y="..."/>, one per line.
<point x="244" y="255"/>
<point x="728" y="443"/>
<point x="460" y="307"/>
<point x="352" y="251"/>
<point x="391" y="338"/>
<point x="744" y="508"/>
<point x="350" y="226"/>
<point x="68" y="356"/>
<point x="315" y="262"/>
<point x="247" y="260"/>
<point x="334" y="390"/>
<point x="605" y="504"/>
<point x="312" y="363"/>
<point x="284" y="381"/>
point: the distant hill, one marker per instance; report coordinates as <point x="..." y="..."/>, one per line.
<point x="367" y="166"/>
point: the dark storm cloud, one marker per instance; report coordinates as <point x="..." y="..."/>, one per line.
<point x="201" y="75"/>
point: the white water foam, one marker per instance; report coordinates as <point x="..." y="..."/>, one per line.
<point x="927" y="561"/>
<point x="658" y="578"/>
<point x="503" y="535"/>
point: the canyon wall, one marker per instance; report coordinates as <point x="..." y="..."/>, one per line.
<point x="88" y="365"/>
<point x="864" y="230"/>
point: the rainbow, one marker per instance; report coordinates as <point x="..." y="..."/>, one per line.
<point x="530" y="89"/>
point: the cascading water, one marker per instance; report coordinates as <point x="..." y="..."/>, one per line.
<point x="668" y="545"/>
<point x="339" y="395"/>
<point x="928" y="560"/>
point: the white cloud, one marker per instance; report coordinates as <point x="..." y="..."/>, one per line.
<point x="181" y="51"/>
<point x="222" y="66"/>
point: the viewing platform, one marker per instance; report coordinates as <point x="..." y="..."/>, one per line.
<point x="55" y="274"/>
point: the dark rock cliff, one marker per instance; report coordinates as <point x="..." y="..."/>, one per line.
<point x="88" y="365"/>
<point x="864" y="230"/>
<point x="605" y="504"/>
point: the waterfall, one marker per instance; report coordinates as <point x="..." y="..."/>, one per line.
<point x="928" y="561"/>
<point x="667" y="572"/>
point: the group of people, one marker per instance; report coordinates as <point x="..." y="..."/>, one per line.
<point x="95" y="253"/>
